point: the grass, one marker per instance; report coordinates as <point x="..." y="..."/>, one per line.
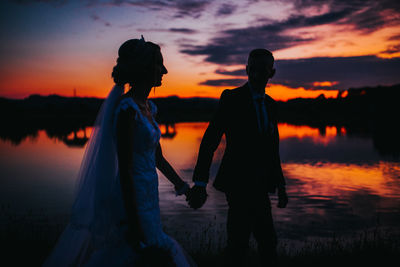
<point x="368" y="248"/>
<point x="27" y="240"/>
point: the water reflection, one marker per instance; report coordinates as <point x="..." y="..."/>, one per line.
<point x="384" y="140"/>
<point x="77" y="138"/>
<point x="337" y="181"/>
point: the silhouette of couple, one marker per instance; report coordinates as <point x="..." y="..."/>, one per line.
<point x="115" y="218"/>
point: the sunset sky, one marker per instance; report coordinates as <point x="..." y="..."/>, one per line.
<point x="320" y="46"/>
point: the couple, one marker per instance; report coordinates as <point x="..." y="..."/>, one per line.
<point x="115" y="218"/>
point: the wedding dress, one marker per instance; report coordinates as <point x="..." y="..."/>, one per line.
<point x="96" y="234"/>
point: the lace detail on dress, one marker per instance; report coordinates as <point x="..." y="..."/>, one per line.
<point x="153" y="108"/>
<point x="145" y="141"/>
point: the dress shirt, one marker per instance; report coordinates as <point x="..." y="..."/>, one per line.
<point x="256" y="101"/>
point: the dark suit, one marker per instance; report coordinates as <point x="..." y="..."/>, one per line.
<point x="249" y="170"/>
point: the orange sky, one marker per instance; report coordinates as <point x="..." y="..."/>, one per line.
<point x="57" y="49"/>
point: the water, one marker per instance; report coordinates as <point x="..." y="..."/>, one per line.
<point x="337" y="183"/>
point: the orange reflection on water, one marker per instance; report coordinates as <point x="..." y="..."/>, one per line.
<point x="319" y="136"/>
<point x="41" y="153"/>
<point x="327" y="179"/>
<point x="289" y="131"/>
<point x="181" y="151"/>
<point x="325" y="84"/>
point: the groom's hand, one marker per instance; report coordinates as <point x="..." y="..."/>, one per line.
<point x="197" y="196"/>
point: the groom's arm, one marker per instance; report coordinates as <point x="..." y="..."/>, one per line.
<point x="211" y="139"/>
<point x="280" y="179"/>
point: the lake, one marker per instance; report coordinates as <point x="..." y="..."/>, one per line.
<point x="338" y="184"/>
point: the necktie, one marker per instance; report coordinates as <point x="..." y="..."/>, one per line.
<point x="260" y="102"/>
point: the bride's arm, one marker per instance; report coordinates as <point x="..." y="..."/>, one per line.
<point x="169" y="172"/>
<point x="125" y="128"/>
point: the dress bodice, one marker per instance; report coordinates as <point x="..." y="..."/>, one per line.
<point x="146" y="134"/>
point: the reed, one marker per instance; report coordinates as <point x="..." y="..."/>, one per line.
<point x="27" y="238"/>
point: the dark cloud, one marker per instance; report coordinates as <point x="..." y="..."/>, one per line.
<point x="52" y="2"/>
<point x="233" y="46"/>
<point x="230" y="46"/>
<point x="180" y="8"/>
<point x="238" y="72"/>
<point x="392" y="49"/>
<point x="173" y="30"/>
<point x="226" y="9"/>
<point x="182" y="30"/>
<point x="347" y="71"/>
<point x="303" y="21"/>
<point x="177" y="8"/>
<point x="365" y="15"/>
<point x="394" y="38"/>
<point x="101" y="20"/>
<point x="190" y="8"/>
<point x="224" y="82"/>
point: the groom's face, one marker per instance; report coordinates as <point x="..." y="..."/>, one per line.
<point x="259" y="70"/>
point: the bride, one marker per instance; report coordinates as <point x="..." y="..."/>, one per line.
<point x="115" y="218"/>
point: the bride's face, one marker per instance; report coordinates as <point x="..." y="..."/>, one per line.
<point x="159" y="69"/>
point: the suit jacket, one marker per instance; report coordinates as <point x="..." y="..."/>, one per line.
<point x="251" y="160"/>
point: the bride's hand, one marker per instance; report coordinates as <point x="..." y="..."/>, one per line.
<point x="182" y="189"/>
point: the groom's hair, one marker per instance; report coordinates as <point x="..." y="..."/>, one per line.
<point x="261" y="53"/>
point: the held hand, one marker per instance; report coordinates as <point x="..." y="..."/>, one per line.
<point x="282" y="198"/>
<point x="196" y="196"/>
<point x="182" y="189"/>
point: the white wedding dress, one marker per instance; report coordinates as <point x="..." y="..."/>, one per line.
<point x="96" y="234"/>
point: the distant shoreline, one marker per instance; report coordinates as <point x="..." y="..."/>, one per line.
<point x="371" y="111"/>
<point x="358" y="104"/>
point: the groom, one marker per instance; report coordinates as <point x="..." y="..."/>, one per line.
<point x="250" y="168"/>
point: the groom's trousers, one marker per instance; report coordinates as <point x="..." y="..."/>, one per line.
<point x="250" y="212"/>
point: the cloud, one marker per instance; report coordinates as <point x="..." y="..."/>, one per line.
<point x="231" y="46"/>
<point x="394" y="38"/>
<point x="182" y="30"/>
<point x="392" y="49"/>
<point x="238" y="72"/>
<point x="329" y="73"/>
<point x="347" y="71"/>
<point x="180" y="8"/>
<point x="364" y="15"/>
<point x="191" y="8"/>
<point x="52" y="2"/>
<point x="224" y="82"/>
<point x="173" y="30"/>
<point x="226" y="9"/>
<point x="99" y="19"/>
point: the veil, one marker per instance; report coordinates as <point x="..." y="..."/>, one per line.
<point x="94" y="215"/>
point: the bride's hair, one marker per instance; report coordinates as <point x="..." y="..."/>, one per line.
<point x="136" y="60"/>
